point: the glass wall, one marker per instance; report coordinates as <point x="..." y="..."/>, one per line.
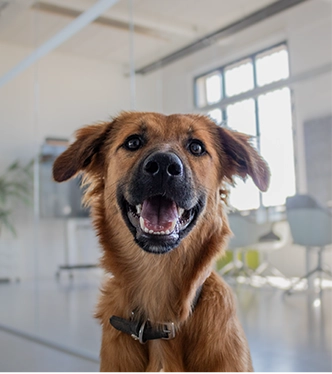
<point x="51" y="84"/>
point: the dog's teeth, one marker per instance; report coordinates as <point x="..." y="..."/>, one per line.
<point x="152" y="232"/>
<point x="139" y="208"/>
<point x="141" y="222"/>
<point x="180" y="211"/>
<point x="173" y="226"/>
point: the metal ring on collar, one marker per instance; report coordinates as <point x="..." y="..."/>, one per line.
<point x="141" y="332"/>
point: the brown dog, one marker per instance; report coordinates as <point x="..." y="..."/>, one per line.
<point x="154" y="186"/>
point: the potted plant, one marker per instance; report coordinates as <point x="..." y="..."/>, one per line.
<point x="15" y="185"/>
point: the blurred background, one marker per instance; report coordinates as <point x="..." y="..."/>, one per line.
<point x="263" y="67"/>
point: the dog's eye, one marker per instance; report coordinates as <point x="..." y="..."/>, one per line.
<point x="196" y="148"/>
<point x="133" y="143"/>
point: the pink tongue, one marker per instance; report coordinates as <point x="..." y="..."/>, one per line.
<point x="159" y="213"/>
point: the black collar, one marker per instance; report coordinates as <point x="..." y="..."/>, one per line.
<point x="143" y="331"/>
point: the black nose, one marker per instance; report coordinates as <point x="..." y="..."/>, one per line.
<point x="168" y="164"/>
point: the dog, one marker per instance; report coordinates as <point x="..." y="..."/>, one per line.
<point x="156" y="187"/>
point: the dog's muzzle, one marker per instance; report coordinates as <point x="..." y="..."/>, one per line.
<point x="160" y="205"/>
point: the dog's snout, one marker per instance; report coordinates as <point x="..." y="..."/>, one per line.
<point x="159" y="163"/>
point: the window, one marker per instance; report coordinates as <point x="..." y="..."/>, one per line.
<point x="239" y="78"/>
<point x="267" y="117"/>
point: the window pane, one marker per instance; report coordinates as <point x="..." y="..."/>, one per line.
<point x="200" y="92"/>
<point x="216" y="115"/>
<point x="245" y="195"/>
<point x="275" y="117"/>
<point x="213" y="88"/>
<point x="239" y="78"/>
<point x="208" y="89"/>
<point x="241" y="116"/>
<point x="272" y="67"/>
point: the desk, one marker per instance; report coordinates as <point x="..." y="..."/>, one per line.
<point x="72" y="226"/>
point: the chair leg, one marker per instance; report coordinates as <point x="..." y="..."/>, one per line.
<point x="276" y="271"/>
<point x="267" y="266"/>
<point x="306" y="276"/>
<point x="261" y="268"/>
<point x="327" y="272"/>
<point x="236" y="267"/>
<point x="319" y="269"/>
<point x="322" y="270"/>
<point x="227" y="268"/>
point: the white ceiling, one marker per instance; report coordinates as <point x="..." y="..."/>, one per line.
<point x="162" y="26"/>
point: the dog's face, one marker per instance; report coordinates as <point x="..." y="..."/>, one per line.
<point x="163" y="173"/>
<point x="170" y="161"/>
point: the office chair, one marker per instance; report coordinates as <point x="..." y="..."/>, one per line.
<point x="246" y="233"/>
<point x="277" y="238"/>
<point x="311" y="227"/>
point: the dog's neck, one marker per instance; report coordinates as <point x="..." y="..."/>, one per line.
<point x="170" y="299"/>
<point x="159" y="287"/>
<point x="144" y="330"/>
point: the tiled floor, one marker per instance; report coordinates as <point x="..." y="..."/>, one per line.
<point x="292" y="333"/>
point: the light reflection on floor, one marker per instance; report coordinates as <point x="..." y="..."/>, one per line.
<point x="283" y="283"/>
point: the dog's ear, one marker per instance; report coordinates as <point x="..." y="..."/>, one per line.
<point x="243" y="158"/>
<point x="79" y="154"/>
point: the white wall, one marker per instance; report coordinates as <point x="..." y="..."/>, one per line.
<point x="72" y="92"/>
<point x="307" y="28"/>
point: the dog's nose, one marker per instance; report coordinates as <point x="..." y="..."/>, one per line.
<point x="167" y="163"/>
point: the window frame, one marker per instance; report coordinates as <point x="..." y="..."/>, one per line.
<point x="221" y="69"/>
<point x="253" y="93"/>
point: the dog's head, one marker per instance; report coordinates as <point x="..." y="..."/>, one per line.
<point x="163" y="173"/>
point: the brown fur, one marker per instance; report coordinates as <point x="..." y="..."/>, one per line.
<point x="162" y="287"/>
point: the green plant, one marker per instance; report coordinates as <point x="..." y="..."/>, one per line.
<point x="15" y="185"/>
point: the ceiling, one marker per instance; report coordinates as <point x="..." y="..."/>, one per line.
<point x="161" y="27"/>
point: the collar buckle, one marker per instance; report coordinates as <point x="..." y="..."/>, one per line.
<point x="168" y="332"/>
<point x="169" y="328"/>
<point x="141" y="332"/>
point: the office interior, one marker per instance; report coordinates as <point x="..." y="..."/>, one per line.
<point x="262" y="67"/>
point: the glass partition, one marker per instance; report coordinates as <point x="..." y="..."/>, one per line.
<point x="49" y="253"/>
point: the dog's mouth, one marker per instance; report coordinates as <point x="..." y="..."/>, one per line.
<point x="159" y="223"/>
<point x="159" y="216"/>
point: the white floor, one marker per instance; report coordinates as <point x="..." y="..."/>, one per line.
<point x="292" y="333"/>
<point x="58" y="311"/>
<point x="21" y="355"/>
